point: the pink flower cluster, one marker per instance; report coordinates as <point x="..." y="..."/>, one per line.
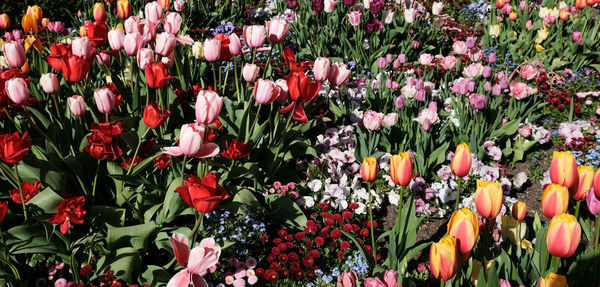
<point x="244" y="273"/>
<point x="373" y="120"/>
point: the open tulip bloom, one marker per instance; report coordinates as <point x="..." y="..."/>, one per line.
<point x="195" y="262"/>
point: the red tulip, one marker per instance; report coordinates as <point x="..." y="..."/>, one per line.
<point x="301" y="90"/>
<point x="97" y="32"/>
<point x="205" y="194"/>
<point x="70" y="210"/>
<point x="153" y="115"/>
<point x="156" y="75"/>
<point x="236" y="150"/>
<point x="29" y="191"/>
<point x="14" y="148"/>
<point x="3" y="209"/>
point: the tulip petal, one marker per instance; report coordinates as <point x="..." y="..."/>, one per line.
<point x="198" y="281"/>
<point x="207" y="150"/>
<point x="180" y="279"/>
<point x="181" y="248"/>
<point x="172" y="150"/>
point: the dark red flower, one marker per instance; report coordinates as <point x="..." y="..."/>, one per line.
<point x="29" y="191"/>
<point x="340" y="255"/>
<point x="336" y="234"/>
<point x="302" y="89"/>
<point x="125" y="164"/>
<point x="97" y="33"/>
<point x="86" y="269"/>
<point x="14" y="148"/>
<point x="3" y="209"/>
<point x="271" y="275"/>
<point x="162" y="161"/>
<point x="299" y="235"/>
<point x="103" y="141"/>
<point x="153" y="115"/>
<point x="204" y="194"/>
<point x="319" y="241"/>
<point x="69" y="210"/>
<point x="344" y="245"/>
<point x="74" y="68"/>
<point x="212" y="134"/>
<point x="224" y="55"/>
<point x="156" y="75"/>
<point x="236" y="150"/>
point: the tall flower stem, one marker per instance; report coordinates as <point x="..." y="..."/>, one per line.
<point x="21" y="191"/>
<point x="597" y="235"/>
<point x="199" y="220"/>
<point x="577" y="206"/>
<point x="374" y="252"/>
<point x="37" y="128"/>
<point x="56" y="106"/>
<point x="518" y="238"/>
<point x="556" y="263"/>
<point x="253" y="123"/>
<point x="235" y="72"/>
<point x="214" y="76"/>
<point x="95" y="181"/>
<point x="458" y="187"/>
<point x="137" y="149"/>
<point x="183" y="167"/>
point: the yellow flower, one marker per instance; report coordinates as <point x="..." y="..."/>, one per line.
<point x="542" y="34"/>
<point x="477" y="269"/>
<point x="539" y="48"/>
<point x="495" y="30"/>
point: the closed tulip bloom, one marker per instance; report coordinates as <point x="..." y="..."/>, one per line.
<point x="488" y="198"/>
<point x="586" y="180"/>
<point x="401" y="168"/>
<point x="235" y="45"/>
<point x="354" y="18"/>
<point x="14" y="53"/>
<point x="564" y="234"/>
<point x="347" y="279"/>
<point x="157" y="75"/>
<point x="444" y="258"/>
<point x="368" y="169"/>
<point x="338" y="74"/>
<point x="36" y="11"/>
<point x="165" y="43"/>
<point x="4" y="21"/>
<point x="124" y="9"/>
<point x="82" y="47"/>
<point x="173" y="23"/>
<point x="105" y="100"/>
<point x="390" y="278"/>
<point x="153" y="12"/>
<point x="519" y="210"/>
<point x="277" y="29"/>
<point x="283" y="90"/>
<point x="250" y="72"/>
<point x="461" y="162"/>
<point x="153" y="115"/>
<point x="116" y="37"/>
<point x="321" y="69"/>
<point x="464" y="226"/>
<point x="593" y="203"/>
<point x="49" y="83"/>
<point x="436" y="8"/>
<point x="211" y="49"/>
<point x="76" y="105"/>
<point x="29" y="24"/>
<point x="580" y="4"/>
<point x="179" y="5"/>
<point x="165" y="4"/>
<point x="553" y="280"/>
<point x="145" y="56"/>
<point x="555" y="200"/>
<point x="265" y="91"/>
<point x="16" y="89"/>
<point x="255" y="35"/>
<point x="99" y="12"/>
<point x="131" y="43"/>
<point x="563" y="169"/>
<point x="208" y="107"/>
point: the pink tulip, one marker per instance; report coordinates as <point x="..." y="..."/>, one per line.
<point x="132" y="43"/>
<point x="105" y="100"/>
<point x="390" y="120"/>
<point x="329" y="5"/>
<point x="277" y="30"/>
<point x="347" y="279"/>
<point x="49" y="83"/>
<point x="165" y="43"/>
<point x="235" y="45"/>
<point x="173" y="23"/>
<point x="153" y="12"/>
<point x="76" y="105"/>
<point x="208" y="107"/>
<point x="372" y="120"/>
<point x="338" y="74"/>
<point x="255" y="35"/>
<point x="390" y="278"/>
<point x="593" y="204"/>
<point x="16" y="89"/>
<point x="265" y="91"/>
<point x="134" y="25"/>
<point x="374" y="282"/>
<point x="56" y="27"/>
<point x="354" y="18"/>
<point x="191" y="137"/>
<point x="576" y="37"/>
<point x="116" y="37"/>
<point x="321" y="69"/>
<point x="195" y="262"/>
<point x="14" y="54"/>
<point x="409" y="15"/>
<point x="82" y="47"/>
<point x="168" y="60"/>
<point x="145" y="56"/>
<point x="283" y="90"/>
<point x="250" y="72"/>
<point x="211" y="49"/>
<point x="459" y="48"/>
<point x="149" y="33"/>
<point x="179" y="5"/>
<point x="436" y="8"/>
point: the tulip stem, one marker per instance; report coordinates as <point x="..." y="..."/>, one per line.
<point x="597" y="234"/>
<point x="442" y="283"/>
<point x="374" y="252"/>
<point x="196" y="226"/>
<point x="21" y="191"/>
<point x="237" y="86"/>
<point x="577" y="209"/>
<point x="556" y="263"/>
<point x="95" y="181"/>
<point x="518" y="238"/>
<point x="214" y="77"/>
<point x="136" y="151"/>
<point x="37" y="128"/>
<point x="458" y="187"/>
<point x="56" y="106"/>
<point x="226" y="77"/>
<point x="253" y="123"/>
<point x="183" y="168"/>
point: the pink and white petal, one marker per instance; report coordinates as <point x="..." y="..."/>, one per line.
<point x="196" y="260"/>
<point x="207" y="150"/>
<point x="181" y="248"/>
<point x="185" y="40"/>
<point x="172" y="150"/>
<point x="181" y="279"/>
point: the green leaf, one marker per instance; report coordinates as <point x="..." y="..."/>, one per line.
<point x="47" y="200"/>
<point x="154" y="274"/>
<point x="30" y="239"/>
<point x="126" y="262"/>
<point x="102" y="216"/>
<point x="135" y="236"/>
<point x="284" y="209"/>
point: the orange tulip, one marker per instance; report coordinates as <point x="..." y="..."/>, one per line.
<point x="563" y="169"/>
<point x="401" y="168"/>
<point x="586" y="179"/>
<point x="124" y="9"/>
<point x="165" y="4"/>
<point x="597" y="183"/>
<point x="488" y="198"/>
<point x="553" y="280"/>
<point x="461" y="162"/>
<point x="555" y="200"/>
<point x="99" y="12"/>
<point x="29" y="24"/>
<point x="45" y="22"/>
<point x="580" y="4"/>
<point x="368" y="170"/>
<point x="564" y="234"/>
<point x="32" y="41"/>
<point x="444" y="257"/>
<point x="464" y="226"/>
<point x="36" y="11"/>
<point x="4" y="21"/>
<point x="512" y="16"/>
<point x="564" y="15"/>
<point x="519" y="210"/>
<point x="500" y="3"/>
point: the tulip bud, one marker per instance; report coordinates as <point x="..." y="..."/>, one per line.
<point x="145" y="56"/>
<point x="105" y="100"/>
<point x="14" y="54"/>
<point x="99" y="12"/>
<point x="512" y="16"/>
<point x="555" y="200"/>
<point x="173" y="23"/>
<point x="277" y="30"/>
<point x="519" y="210"/>
<point x="347" y="279"/>
<point x="321" y="69"/>
<point x="131" y="43"/>
<point x="444" y="258"/>
<point x="586" y="179"/>
<point x="76" y="105"/>
<point x="401" y="168"/>
<point x="464" y="226"/>
<point x="580" y="4"/>
<point x="16" y="89"/>
<point x="255" y="35"/>
<point x="250" y="72"/>
<point x="49" y="83"/>
<point x="29" y="24"/>
<point x="564" y="234"/>
<point x="563" y="169"/>
<point x="436" y="8"/>
<point x="153" y="115"/>
<point x="153" y="12"/>
<point x="116" y="37"/>
<point x="593" y="203"/>
<point x="597" y="183"/>
<point x="500" y="3"/>
<point x="461" y="162"/>
<point x="190" y="138"/>
<point x="36" y="11"/>
<point x="197" y="50"/>
<point x="4" y="21"/>
<point x="124" y="9"/>
<point x="265" y="91"/>
<point x="488" y="198"/>
<point x="165" y="43"/>
<point x="354" y="18"/>
<point x="165" y="4"/>
<point x="45" y="22"/>
<point x="338" y="74"/>
<point x="208" y="107"/>
<point x="368" y="169"/>
<point x="283" y="90"/>
<point x="82" y="47"/>
<point x="553" y="280"/>
<point x="564" y="15"/>
<point x="235" y="45"/>
<point x="211" y="49"/>
<point x="179" y="5"/>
